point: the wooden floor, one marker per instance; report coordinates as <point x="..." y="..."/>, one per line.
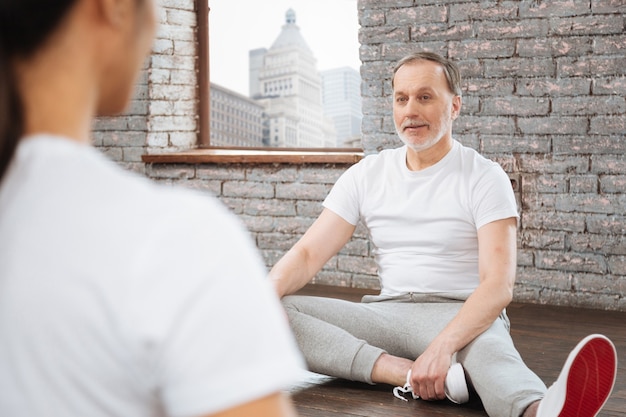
<point x="544" y="336"/>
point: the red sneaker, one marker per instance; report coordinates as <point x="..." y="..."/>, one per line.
<point x="585" y="382"/>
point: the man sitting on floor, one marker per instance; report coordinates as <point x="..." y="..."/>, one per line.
<point x="443" y="222"/>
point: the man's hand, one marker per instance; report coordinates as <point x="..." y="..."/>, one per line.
<point x="428" y="373"/>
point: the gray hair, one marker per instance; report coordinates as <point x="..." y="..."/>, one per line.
<point x="450" y="69"/>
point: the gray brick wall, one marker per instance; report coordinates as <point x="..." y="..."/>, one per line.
<point x="544" y="88"/>
<point x="277" y="204"/>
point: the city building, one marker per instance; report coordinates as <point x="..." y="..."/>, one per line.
<point x="341" y="99"/>
<point x="236" y="120"/>
<point x="285" y="81"/>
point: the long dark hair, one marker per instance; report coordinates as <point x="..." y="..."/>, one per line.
<point x="24" y="26"/>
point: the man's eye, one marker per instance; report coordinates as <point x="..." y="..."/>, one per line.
<point x="425" y="97"/>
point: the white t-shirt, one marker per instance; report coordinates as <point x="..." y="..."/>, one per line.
<point x="121" y="297"/>
<point x="423" y="224"/>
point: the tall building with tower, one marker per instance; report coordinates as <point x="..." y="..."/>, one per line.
<point x="285" y="81"/>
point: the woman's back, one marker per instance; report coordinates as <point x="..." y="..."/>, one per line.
<point x="122" y="297"/>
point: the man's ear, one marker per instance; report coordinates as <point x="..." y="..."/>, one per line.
<point x="456" y="106"/>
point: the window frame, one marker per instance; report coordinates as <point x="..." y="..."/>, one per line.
<point x="204" y="152"/>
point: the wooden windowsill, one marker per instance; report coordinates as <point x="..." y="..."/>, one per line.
<point x="256" y="156"/>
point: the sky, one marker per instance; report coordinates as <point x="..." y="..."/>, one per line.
<point x="330" y="28"/>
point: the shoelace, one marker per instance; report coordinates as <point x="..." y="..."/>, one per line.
<point x="399" y="392"/>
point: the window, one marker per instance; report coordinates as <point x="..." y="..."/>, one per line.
<point x="274" y="82"/>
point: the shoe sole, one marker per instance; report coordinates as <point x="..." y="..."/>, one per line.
<point x="593" y="365"/>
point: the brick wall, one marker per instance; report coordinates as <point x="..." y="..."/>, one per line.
<point x="163" y="113"/>
<point x="278" y="203"/>
<point x="543" y="95"/>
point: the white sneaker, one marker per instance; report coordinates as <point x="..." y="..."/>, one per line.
<point x="585" y="382"/>
<point x="455" y="386"/>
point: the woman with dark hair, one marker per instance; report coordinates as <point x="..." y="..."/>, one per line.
<point x="116" y="294"/>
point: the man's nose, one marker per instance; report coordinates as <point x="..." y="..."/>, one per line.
<point x="413" y="107"/>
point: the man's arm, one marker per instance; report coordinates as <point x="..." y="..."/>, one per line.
<point x="275" y="405"/>
<point x="326" y="236"/>
<point x="497" y="262"/>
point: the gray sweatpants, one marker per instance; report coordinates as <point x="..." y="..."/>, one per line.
<point x="344" y="339"/>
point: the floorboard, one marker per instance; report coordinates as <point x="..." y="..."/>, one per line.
<point x="544" y="335"/>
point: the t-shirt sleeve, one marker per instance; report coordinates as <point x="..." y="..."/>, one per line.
<point x="343" y="198"/>
<point x="221" y="337"/>
<point x="493" y="198"/>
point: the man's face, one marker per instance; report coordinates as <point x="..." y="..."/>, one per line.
<point x="423" y="105"/>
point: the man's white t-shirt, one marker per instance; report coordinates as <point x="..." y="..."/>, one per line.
<point x="121" y="297"/>
<point x="423" y="224"/>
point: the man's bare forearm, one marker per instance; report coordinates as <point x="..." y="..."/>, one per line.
<point x="290" y="273"/>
